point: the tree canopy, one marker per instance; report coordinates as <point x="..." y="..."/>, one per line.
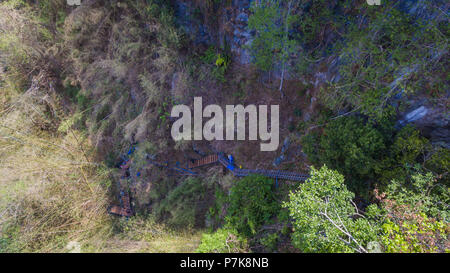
<point x="324" y="217"/>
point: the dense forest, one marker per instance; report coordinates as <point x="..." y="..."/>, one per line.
<point x="363" y="93"/>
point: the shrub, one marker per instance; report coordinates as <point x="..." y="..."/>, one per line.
<point x="365" y="152"/>
<point x="270" y="241"/>
<point x="418" y="236"/>
<point x="218" y="62"/>
<point x="181" y="205"/>
<point x="223" y="241"/>
<point x="252" y="203"/>
<point x="350" y="146"/>
<point x="407" y="147"/>
<point x="416" y="215"/>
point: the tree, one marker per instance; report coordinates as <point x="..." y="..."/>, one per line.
<point x="382" y="58"/>
<point x="351" y="146"/>
<point x="324" y="217"/>
<point x="272" y="45"/>
<point x="415" y="213"/>
<point x="407" y="146"/>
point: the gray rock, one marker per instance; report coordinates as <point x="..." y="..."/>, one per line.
<point x="415" y="115"/>
<point x="430" y="118"/>
<point x="235" y="34"/>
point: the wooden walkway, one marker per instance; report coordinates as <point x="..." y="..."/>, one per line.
<point x="268" y="173"/>
<point x="207" y="160"/>
<point x="125" y="208"/>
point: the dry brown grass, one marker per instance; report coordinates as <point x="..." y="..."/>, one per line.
<point x="54" y="195"/>
<point x="52" y="192"/>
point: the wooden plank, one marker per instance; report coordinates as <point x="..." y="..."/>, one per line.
<point x="210" y="159"/>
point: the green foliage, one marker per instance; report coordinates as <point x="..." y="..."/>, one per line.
<point x="160" y="11"/>
<point x="311" y="145"/>
<point x="348" y="145"/>
<point x="272" y="21"/>
<point x="422" y="193"/>
<point x="71" y="91"/>
<point x="160" y="190"/>
<point x="219" y="62"/>
<point x="252" y="203"/>
<point x="389" y="54"/>
<point x="103" y="112"/>
<point x="419" y="236"/>
<point x="52" y="13"/>
<point x="317" y="29"/>
<point x="408" y="145"/>
<point x="386" y="52"/>
<point x="380" y="52"/>
<point x="82" y="101"/>
<point x="216" y="211"/>
<point x="298" y="112"/>
<point x="264" y="21"/>
<point x="439" y="162"/>
<point x="180" y="206"/>
<point x="209" y="56"/>
<point x="324" y="218"/>
<point x="270" y="241"/>
<point x="163" y="113"/>
<point x="365" y="152"/>
<point x="351" y="145"/>
<point x="413" y="214"/>
<point x="222" y="241"/>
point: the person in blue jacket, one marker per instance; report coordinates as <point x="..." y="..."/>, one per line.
<point x="231" y="159"/>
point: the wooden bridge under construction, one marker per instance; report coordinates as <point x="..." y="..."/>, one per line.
<point x="220" y="158"/>
<point x="217" y="158"/>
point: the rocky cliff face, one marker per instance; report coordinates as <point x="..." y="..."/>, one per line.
<point x="431" y="117"/>
<point x="225" y="25"/>
<point x="220" y="25"/>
